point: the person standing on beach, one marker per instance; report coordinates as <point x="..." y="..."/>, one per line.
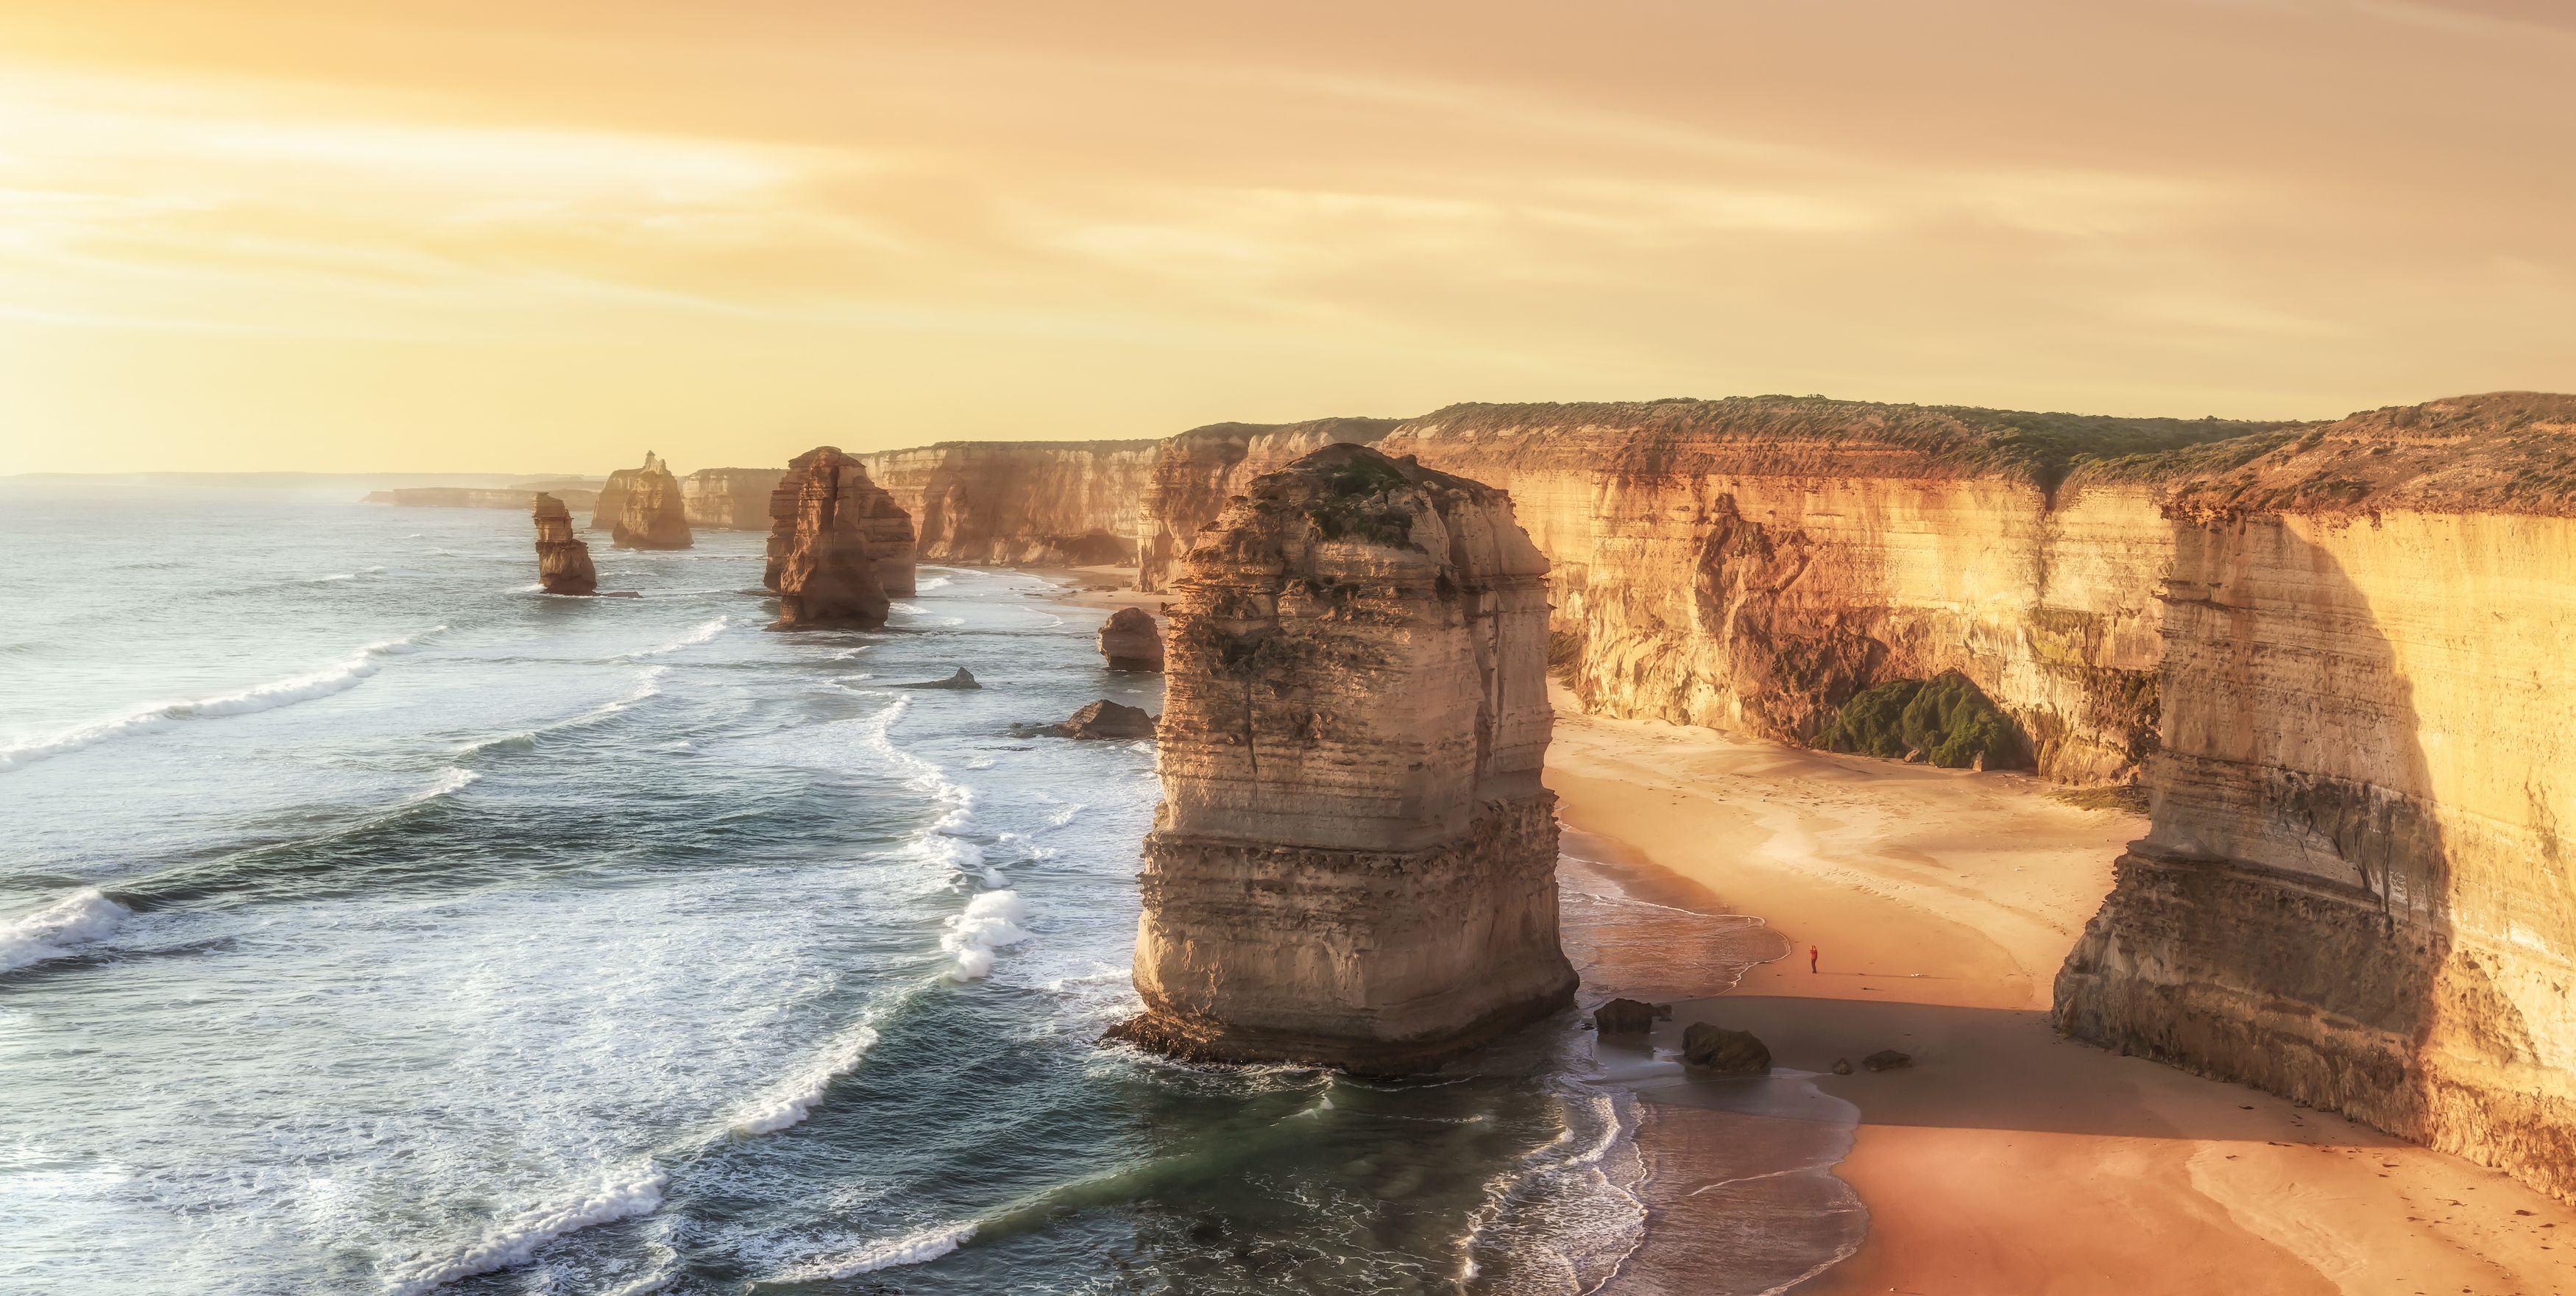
<point x="1811" y="960"/>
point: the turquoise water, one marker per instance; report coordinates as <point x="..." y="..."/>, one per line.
<point x="372" y="922"/>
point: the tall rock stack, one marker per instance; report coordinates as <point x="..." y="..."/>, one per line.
<point x="838" y="545"/>
<point x="651" y="514"/>
<point x="563" y="561"/>
<point x="1354" y="863"/>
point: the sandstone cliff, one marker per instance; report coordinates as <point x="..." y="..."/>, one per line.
<point x="2359" y="886"/>
<point x="1192" y="476"/>
<point x="563" y="561"/>
<point x="1036" y="503"/>
<point x="1753" y="563"/>
<point x="838" y="545"/>
<point x="729" y="499"/>
<point x="1354" y="862"/>
<point x="650" y="513"/>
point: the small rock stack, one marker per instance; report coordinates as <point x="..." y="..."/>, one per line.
<point x="1131" y="641"/>
<point x="563" y="561"/>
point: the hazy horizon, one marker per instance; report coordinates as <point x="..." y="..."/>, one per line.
<point x="288" y="235"/>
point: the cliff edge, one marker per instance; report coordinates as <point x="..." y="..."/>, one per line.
<point x="1354" y="863"/>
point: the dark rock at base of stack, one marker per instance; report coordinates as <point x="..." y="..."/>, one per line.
<point x="651" y="512"/>
<point x="563" y="561"/>
<point x="1726" y="1052"/>
<point x="1131" y="641"/>
<point x="1629" y="1017"/>
<point x="1101" y="719"/>
<point x="963" y="679"/>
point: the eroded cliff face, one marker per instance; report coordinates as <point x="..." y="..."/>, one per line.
<point x="839" y="546"/>
<point x="1031" y="503"/>
<point x="729" y="499"/>
<point x="1354" y="862"/>
<point x="2359" y="887"/>
<point x="1751" y="564"/>
<point x="563" y="560"/>
<point x="650" y="512"/>
<point x="1194" y="475"/>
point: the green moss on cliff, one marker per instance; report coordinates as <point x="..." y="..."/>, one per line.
<point x="1946" y="718"/>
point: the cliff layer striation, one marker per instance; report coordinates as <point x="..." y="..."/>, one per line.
<point x="729" y="499"/>
<point x="838" y="545"/>
<point x="1029" y="503"/>
<point x="1193" y="476"/>
<point x="1354" y="862"/>
<point x="563" y="560"/>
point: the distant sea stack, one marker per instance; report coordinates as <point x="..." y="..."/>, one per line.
<point x="563" y="561"/>
<point x="1131" y="641"/>
<point x="729" y="499"/>
<point x="838" y="545"/>
<point x="650" y="514"/>
<point x="1354" y="863"/>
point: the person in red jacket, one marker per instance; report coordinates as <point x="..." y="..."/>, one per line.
<point x="1811" y="958"/>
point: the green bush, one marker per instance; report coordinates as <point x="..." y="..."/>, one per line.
<point x="1946" y="718"/>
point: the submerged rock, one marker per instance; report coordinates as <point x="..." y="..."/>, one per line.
<point x="1101" y="719"/>
<point x="563" y="560"/>
<point x="963" y="679"/>
<point x="651" y="514"/>
<point x="1629" y="1016"/>
<point x="1726" y="1052"/>
<point x="1131" y="641"/>
<point x="1355" y="862"/>
<point x="839" y="548"/>
<point x="1887" y="1060"/>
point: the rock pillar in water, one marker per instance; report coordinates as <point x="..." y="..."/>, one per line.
<point x="651" y="514"/>
<point x="563" y="561"/>
<point x="1354" y="863"/>
<point x="838" y="545"/>
<point x="1131" y="641"/>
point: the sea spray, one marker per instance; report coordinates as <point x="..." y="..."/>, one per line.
<point x="52" y="931"/>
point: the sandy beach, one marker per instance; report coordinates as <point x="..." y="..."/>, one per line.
<point x="2005" y="1160"/>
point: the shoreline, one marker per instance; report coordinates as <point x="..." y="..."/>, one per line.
<point x="2007" y="1158"/>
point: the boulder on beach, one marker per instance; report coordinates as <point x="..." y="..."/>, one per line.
<point x="963" y="679"/>
<point x="1101" y="719"/>
<point x="1842" y="1066"/>
<point x="1629" y="1016"/>
<point x="1726" y="1052"/>
<point x="1131" y="641"/>
<point x="1887" y="1060"/>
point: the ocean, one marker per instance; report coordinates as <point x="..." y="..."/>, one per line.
<point x="372" y="922"/>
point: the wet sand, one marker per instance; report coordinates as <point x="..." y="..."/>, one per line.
<point x="2006" y="1160"/>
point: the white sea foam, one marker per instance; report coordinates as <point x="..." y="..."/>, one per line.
<point x="514" y="1240"/>
<point x="701" y="634"/>
<point x="991" y="921"/>
<point x="933" y="582"/>
<point x="337" y="576"/>
<point x="50" y="932"/>
<point x="647" y="685"/>
<point x="640" y="1287"/>
<point x="913" y="1249"/>
<point x="339" y="677"/>
<point x="794" y="1098"/>
<point x="450" y="780"/>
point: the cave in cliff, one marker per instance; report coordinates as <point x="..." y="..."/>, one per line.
<point x="1354" y="864"/>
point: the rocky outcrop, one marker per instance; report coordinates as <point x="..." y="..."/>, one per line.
<point x="1354" y="862"/>
<point x="2358" y="888"/>
<point x="1752" y="564"/>
<point x="1130" y="641"/>
<point x="563" y="561"/>
<point x="650" y="514"/>
<point x="962" y="678"/>
<point x="1101" y="719"/>
<point x="1193" y="476"/>
<point x="1026" y="503"/>
<point x="1720" y="1051"/>
<point x="729" y="499"/>
<point x="839" y="547"/>
<point x="1629" y="1016"/>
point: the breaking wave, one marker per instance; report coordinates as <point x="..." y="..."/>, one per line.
<point x="513" y="1241"/>
<point x="912" y="1249"/>
<point x="991" y="921"/>
<point x="794" y="1099"/>
<point x="338" y="677"/>
<point x="76" y="919"/>
<point x="701" y="634"/>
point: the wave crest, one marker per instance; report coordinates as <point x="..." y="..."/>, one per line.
<point x="76" y="919"/>
<point x="515" y="1240"/>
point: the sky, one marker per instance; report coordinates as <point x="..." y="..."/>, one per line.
<point x="465" y="235"/>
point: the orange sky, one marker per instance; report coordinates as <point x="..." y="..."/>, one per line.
<point x="470" y="235"/>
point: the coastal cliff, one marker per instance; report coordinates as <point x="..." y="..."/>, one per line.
<point x="563" y="561"/>
<point x="650" y="514"/>
<point x="729" y="499"/>
<point x="1192" y="476"/>
<point x="1354" y="862"/>
<point x="2359" y="884"/>
<point x="513" y="497"/>
<point x="839" y="546"/>
<point x="1753" y="563"/>
<point x="1027" y="503"/>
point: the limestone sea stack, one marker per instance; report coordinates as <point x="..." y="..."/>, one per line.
<point x="651" y="512"/>
<point x="839" y="547"/>
<point x="1131" y="641"/>
<point x="563" y="561"/>
<point x="1354" y="863"/>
